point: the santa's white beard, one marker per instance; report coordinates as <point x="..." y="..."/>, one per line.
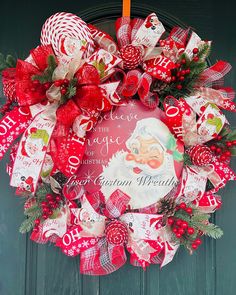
<point x="144" y="189"/>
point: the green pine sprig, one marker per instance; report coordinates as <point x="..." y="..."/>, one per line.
<point x="35" y="211"/>
<point x="200" y="222"/>
<point x="71" y="90"/>
<point x="228" y="135"/>
<point x="195" y="67"/>
<point x="8" y="61"/>
<point x="46" y="76"/>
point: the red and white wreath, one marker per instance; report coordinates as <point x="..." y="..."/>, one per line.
<point x="124" y="145"/>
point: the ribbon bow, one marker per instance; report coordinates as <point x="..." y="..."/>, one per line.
<point x="100" y="235"/>
<point x="53" y="114"/>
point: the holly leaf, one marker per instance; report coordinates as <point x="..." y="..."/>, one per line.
<point x="233" y="151"/>
<point x="231" y="136"/>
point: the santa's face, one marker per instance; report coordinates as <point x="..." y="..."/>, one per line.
<point x="33" y="146"/>
<point x="146" y="155"/>
<point x="154" y="21"/>
<point x="71" y="46"/>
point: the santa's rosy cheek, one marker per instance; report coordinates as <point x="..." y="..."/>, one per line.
<point x="154" y="164"/>
<point x="130" y="157"/>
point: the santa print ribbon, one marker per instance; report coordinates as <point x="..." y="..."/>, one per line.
<point x="11" y="126"/>
<point x="32" y="150"/>
<point x="100" y="235"/>
<point x="41" y="102"/>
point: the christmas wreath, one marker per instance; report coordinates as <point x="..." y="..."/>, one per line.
<point x="124" y="145"/>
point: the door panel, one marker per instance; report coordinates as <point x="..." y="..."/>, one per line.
<point x="30" y="269"/>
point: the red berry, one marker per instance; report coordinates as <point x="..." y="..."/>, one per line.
<point x="218" y="150"/>
<point x="194" y="246"/>
<point x="228" y="153"/>
<point x="195" y="50"/>
<point x="170" y="220"/>
<point x="54" y="206"/>
<point x="44" y="204"/>
<point x="175" y="230"/>
<point x="183" y="72"/>
<point x="177" y="65"/>
<point x="36" y="229"/>
<point x="49" y="197"/>
<point x="182" y="206"/>
<point x="198" y="242"/>
<point x="234" y="142"/>
<point x="45" y="209"/>
<point x="58" y="83"/>
<point x="187" y="71"/>
<point x="222" y="158"/>
<point x="37" y="221"/>
<point x="45" y="216"/>
<point x="181" y="231"/>
<point x="178" y="222"/>
<point x="58" y="198"/>
<point x="181" y="78"/>
<point x="184" y="225"/>
<point x="189" y="210"/>
<point x="63" y="90"/>
<point x="177" y="208"/>
<point x="213" y="147"/>
<point x="178" y="235"/>
<point x="229" y="144"/>
<point x="179" y="86"/>
<point x="190" y="230"/>
<point x="47" y="85"/>
<point x="173" y="78"/>
<point x="51" y="202"/>
<point x="219" y="137"/>
<point x="50" y="212"/>
<point x="196" y="58"/>
<point x="183" y="61"/>
<point x="66" y="82"/>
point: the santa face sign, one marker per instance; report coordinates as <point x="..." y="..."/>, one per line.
<point x="133" y="151"/>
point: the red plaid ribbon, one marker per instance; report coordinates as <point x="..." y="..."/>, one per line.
<point x="123" y="31"/>
<point x="214" y="73"/>
<point x="179" y="36"/>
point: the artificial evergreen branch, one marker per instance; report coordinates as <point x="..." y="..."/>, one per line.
<point x="199" y="221"/>
<point x="7" y="62"/>
<point x="195" y="67"/>
<point x="46" y="76"/>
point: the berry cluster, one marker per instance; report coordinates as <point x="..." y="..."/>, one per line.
<point x="181" y="72"/>
<point x="63" y="84"/>
<point x="222" y="149"/>
<point x="37" y="84"/>
<point x="181" y="228"/>
<point x="51" y="203"/>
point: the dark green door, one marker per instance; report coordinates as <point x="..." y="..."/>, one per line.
<point x="30" y="269"/>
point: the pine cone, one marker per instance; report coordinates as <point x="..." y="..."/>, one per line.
<point x="131" y="56"/>
<point x="200" y="155"/>
<point x="60" y="178"/>
<point x="158" y="86"/>
<point x="166" y="206"/>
